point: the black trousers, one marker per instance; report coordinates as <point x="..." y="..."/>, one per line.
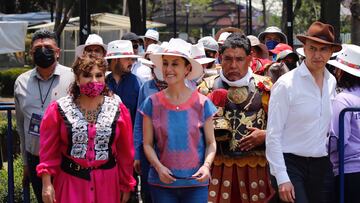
<point x="351" y="189"/>
<point x="307" y="174"/>
<point x="35" y="181"/>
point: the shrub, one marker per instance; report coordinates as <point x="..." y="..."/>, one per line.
<point x="3" y="138"/>
<point x="7" y="80"/>
<point x="18" y="173"/>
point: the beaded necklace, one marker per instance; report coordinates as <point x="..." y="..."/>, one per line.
<point x="89" y="115"/>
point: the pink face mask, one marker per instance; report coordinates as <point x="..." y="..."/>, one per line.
<point x="92" y="89"/>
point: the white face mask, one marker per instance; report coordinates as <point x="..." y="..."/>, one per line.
<point x="158" y="74"/>
<point x="238" y="83"/>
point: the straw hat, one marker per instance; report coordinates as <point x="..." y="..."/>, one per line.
<point x="348" y="60"/>
<point x="120" y="49"/>
<point x="198" y="53"/>
<point x="178" y="47"/>
<point x="93" y="39"/>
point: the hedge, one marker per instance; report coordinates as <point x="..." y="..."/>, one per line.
<point x="18" y="174"/>
<point x="7" y="80"/>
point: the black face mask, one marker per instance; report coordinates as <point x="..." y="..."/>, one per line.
<point x="44" y="57"/>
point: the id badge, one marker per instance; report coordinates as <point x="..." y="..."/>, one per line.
<point x="34" y="126"/>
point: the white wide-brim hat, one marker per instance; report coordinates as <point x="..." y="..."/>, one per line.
<point x="348" y="59"/>
<point x="301" y="52"/>
<point x="93" y="39"/>
<point x="152" y="48"/>
<point x="223" y="36"/>
<point x="178" y="47"/>
<point x="152" y="34"/>
<point x="120" y="49"/>
<point x="198" y="53"/>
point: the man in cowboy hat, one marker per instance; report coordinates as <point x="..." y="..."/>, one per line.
<point x="94" y="47"/>
<point x="121" y="81"/>
<point x="239" y="173"/>
<point x="299" y="118"/>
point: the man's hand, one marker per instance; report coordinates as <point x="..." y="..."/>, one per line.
<point x="287" y="192"/>
<point x="137" y="167"/>
<point x="256" y="138"/>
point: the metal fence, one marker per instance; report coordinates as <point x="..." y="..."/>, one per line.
<point x="341" y="149"/>
<point x="9" y="107"/>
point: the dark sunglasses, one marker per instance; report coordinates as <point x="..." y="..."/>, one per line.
<point x="135" y="46"/>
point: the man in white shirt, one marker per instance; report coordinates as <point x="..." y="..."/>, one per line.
<point x="299" y="118"/>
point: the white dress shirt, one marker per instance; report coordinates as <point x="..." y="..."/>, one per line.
<point x="299" y="118"/>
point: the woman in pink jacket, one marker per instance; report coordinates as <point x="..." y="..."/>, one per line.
<point x="86" y="144"/>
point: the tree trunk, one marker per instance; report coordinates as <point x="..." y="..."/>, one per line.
<point x="355" y="22"/>
<point x="59" y="22"/>
<point x="284" y="15"/>
<point x="136" y="23"/>
<point x="297" y="8"/>
<point x="264" y="12"/>
<point x="330" y="14"/>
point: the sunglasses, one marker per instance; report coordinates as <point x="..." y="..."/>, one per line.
<point x="135" y="46"/>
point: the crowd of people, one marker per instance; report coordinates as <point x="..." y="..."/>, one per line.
<point x="229" y="119"/>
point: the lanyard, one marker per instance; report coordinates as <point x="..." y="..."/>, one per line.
<point x="47" y="93"/>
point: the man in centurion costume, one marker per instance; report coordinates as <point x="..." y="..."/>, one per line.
<point x="240" y="172"/>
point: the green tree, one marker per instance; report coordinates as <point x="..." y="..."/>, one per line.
<point x="306" y="15"/>
<point x="355" y="21"/>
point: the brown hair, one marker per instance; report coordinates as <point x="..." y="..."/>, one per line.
<point x="85" y="64"/>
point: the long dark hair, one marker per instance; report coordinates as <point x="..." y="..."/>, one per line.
<point x="84" y="65"/>
<point x="348" y="81"/>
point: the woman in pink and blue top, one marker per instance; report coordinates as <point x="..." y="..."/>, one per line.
<point x="178" y="130"/>
<point x="86" y="143"/>
<point x="348" y="76"/>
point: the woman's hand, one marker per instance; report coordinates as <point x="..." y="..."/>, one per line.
<point x="165" y="175"/>
<point x="48" y="194"/>
<point x="203" y="174"/>
<point x="125" y="196"/>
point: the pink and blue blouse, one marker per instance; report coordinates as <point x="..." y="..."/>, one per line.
<point x="178" y="136"/>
